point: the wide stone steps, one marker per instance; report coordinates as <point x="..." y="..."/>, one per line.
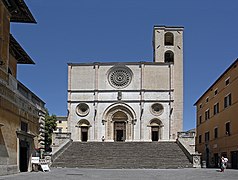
<point x="123" y="155"/>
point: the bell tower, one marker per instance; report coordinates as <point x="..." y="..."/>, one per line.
<point x="168" y="49"/>
<point x="168" y="44"/>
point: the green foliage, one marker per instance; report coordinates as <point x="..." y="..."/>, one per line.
<point x="50" y="126"/>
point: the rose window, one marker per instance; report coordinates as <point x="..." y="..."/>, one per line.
<point x="120" y="77"/>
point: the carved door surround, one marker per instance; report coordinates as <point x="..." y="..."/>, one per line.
<point x="119" y="116"/>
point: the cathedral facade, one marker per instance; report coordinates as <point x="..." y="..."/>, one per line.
<point x="129" y="101"/>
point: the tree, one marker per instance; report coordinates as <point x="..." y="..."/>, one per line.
<point x="50" y="126"/>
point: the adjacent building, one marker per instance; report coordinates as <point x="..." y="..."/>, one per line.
<point x="62" y="124"/>
<point x="21" y="111"/>
<point x="131" y="101"/>
<point x="217" y="125"/>
<point x="60" y="136"/>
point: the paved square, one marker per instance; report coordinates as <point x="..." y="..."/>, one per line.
<point x="129" y="174"/>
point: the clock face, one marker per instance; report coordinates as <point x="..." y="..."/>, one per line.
<point x="119" y="76"/>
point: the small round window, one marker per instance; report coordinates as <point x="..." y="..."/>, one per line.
<point x="82" y="109"/>
<point x="157" y="108"/>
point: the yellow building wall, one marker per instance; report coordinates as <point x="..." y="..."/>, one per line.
<point x="224" y="143"/>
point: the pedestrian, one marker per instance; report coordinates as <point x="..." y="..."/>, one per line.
<point x="222" y="164"/>
<point x="225" y="160"/>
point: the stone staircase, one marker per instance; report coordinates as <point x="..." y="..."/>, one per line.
<point x="119" y="155"/>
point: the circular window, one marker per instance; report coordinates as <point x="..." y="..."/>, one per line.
<point x="157" y="108"/>
<point x="82" y="109"/>
<point x="119" y="76"/>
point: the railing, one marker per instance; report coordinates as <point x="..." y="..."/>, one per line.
<point x="188" y="134"/>
<point x="186" y="141"/>
<point x="62" y="135"/>
<point x="61" y="141"/>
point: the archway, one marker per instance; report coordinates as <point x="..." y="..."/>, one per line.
<point x="119" y="120"/>
<point x="168" y="39"/>
<point x="169" y="57"/>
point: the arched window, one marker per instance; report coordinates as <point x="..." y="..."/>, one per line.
<point x="169" y="57"/>
<point x="168" y="39"/>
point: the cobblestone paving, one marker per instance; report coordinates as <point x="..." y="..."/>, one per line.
<point x="129" y="174"/>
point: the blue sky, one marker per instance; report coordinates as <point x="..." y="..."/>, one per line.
<point x="113" y="30"/>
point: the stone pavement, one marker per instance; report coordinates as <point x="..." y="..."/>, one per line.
<point x="129" y="174"/>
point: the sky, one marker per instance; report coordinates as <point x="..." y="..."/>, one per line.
<point x="76" y="31"/>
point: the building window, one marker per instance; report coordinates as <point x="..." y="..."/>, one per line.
<point x="24" y="126"/>
<point x="207" y="99"/>
<point x="119" y="76"/>
<point x="200" y="106"/>
<point x="227" y="81"/>
<point x="216" y="133"/>
<point x="82" y="109"/>
<point x="216" y="108"/>
<point x="200" y="119"/>
<point x="168" y="39"/>
<point x="228" y="128"/>
<point x="169" y="57"/>
<point x="60" y="130"/>
<point x="200" y="139"/>
<point x="227" y="101"/>
<point x="215" y="92"/>
<point x="157" y="108"/>
<point x="60" y="122"/>
<point x="207" y="114"/>
<point x="207" y="136"/>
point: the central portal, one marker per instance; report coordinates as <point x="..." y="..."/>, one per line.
<point x="119" y="131"/>
<point x="119" y="123"/>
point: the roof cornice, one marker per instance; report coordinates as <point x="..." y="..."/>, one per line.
<point x="19" y="11"/>
<point x="18" y="52"/>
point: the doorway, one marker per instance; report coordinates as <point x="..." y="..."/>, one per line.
<point x="155" y="133"/>
<point x="84" y="134"/>
<point x="119" y="131"/>
<point x="216" y="160"/>
<point x="23" y="158"/>
<point x="234" y="159"/>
